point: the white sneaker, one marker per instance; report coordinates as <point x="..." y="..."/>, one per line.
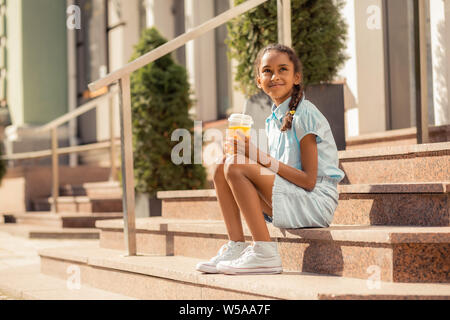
<point x="229" y="251"/>
<point x="261" y="258"/>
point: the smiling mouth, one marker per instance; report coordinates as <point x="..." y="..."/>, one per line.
<point x="276" y="85"/>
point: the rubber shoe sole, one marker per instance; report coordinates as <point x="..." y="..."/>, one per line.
<point x="206" y="268"/>
<point x="261" y="270"/>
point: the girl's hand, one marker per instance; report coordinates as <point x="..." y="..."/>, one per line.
<point x="242" y="145"/>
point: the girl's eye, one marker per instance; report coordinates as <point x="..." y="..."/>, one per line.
<point x="266" y="70"/>
<point x="283" y="68"/>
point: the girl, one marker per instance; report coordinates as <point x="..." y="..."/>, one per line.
<point x="302" y="189"/>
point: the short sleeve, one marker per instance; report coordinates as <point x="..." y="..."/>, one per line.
<point x="309" y="122"/>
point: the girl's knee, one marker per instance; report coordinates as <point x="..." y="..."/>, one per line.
<point x="232" y="170"/>
<point x="218" y="173"/>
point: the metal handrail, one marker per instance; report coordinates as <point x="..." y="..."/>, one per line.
<point x="55" y="151"/>
<point x="123" y="77"/>
<point x="60" y="151"/>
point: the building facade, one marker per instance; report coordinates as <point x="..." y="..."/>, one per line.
<point x="50" y="50"/>
<point x="381" y="71"/>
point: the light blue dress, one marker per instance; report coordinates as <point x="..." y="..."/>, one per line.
<point x="294" y="207"/>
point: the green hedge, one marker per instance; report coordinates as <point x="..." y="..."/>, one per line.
<point x="160" y="94"/>
<point x="319" y="34"/>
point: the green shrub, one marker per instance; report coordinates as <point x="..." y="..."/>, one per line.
<point x="318" y="36"/>
<point x="160" y="94"/>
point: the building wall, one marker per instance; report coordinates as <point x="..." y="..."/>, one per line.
<point x="201" y="60"/>
<point x="159" y="13"/>
<point x="370" y="66"/>
<point x="447" y="46"/>
<point x="375" y="100"/>
<point x="364" y="70"/>
<point x="223" y="67"/>
<point x="400" y="65"/>
<point x="169" y="18"/>
<point x="3" y="40"/>
<point x="124" y="16"/>
<point x="212" y="83"/>
<point x="124" y="23"/>
<point x="37" y="61"/>
<point x="37" y="66"/>
<point x="440" y="56"/>
<point x="368" y="102"/>
<point x="14" y="61"/>
<point x="237" y="97"/>
<point x="350" y="74"/>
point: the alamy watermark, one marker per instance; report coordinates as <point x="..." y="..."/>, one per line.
<point x="214" y="151"/>
<point x="74" y="17"/>
<point x="374" y="280"/>
<point x="374" y="19"/>
<point x="74" y="280"/>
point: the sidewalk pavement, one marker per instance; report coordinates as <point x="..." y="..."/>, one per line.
<point x="20" y="276"/>
<point x="5" y="297"/>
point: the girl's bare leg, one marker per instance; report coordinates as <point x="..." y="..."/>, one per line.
<point x="246" y="184"/>
<point x="230" y="209"/>
<point x="228" y="205"/>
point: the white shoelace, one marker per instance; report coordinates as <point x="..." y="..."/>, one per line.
<point x="245" y="254"/>
<point x="224" y="252"/>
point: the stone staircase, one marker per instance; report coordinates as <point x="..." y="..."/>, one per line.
<point x="80" y="206"/>
<point x="90" y="197"/>
<point x="390" y="239"/>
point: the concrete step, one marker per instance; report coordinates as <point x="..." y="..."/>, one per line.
<point x="47" y="232"/>
<point x="190" y="204"/>
<point x="27" y="283"/>
<point x="399" y="254"/>
<point x="174" y="277"/>
<point x="93" y="189"/>
<point x="64" y="220"/>
<point x="406" y="136"/>
<point x="414" y="204"/>
<point x="396" y="164"/>
<point x="396" y="204"/>
<point x="81" y="204"/>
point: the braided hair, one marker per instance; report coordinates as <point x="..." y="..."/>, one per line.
<point x="297" y="90"/>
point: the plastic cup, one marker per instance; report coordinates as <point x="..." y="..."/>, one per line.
<point x="238" y="121"/>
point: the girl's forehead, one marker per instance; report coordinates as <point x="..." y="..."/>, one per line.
<point x="274" y="58"/>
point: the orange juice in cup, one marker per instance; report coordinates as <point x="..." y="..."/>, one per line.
<point x="238" y="121"/>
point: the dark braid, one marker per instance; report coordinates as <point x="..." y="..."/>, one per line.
<point x="297" y="90"/>
<point x="297" y="94"/>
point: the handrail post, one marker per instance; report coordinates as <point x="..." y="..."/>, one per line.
<point x="421" y="50"/>
<point x="284" y="22"/>
<point x="112" y="149"/>
<point x="55" y="169"/>
<point x="127" y="165"/>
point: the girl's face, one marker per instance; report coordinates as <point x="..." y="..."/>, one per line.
<point x="276" y="76"/>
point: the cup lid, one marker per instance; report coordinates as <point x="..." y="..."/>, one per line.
<point x="241" y="117"/>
